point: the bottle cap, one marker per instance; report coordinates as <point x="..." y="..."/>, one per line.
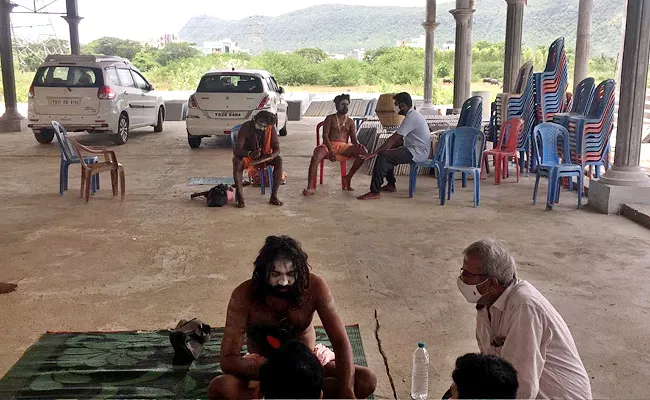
<point x="421" y="345"/>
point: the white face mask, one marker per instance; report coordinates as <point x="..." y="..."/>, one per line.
<point x="469" y="292"/>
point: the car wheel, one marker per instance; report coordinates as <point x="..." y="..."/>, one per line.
<point x="122" y="130"/>
<point x="161" y="118"/>
<point x="194" y="141"/>
<point x="45" y="136"/>
<point x="283" y="131"/>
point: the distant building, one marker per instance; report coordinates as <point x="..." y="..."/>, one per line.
<point x="418" y="42"/>
<point x="225" y="46"/>
<point x="449" y="46"/>
<point x="336" y="56"/>
<point x="356" y="54"/>
<point x="162" y="40"/>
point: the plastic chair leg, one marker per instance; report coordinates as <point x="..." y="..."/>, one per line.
<point x="477" y="189"/>
<point x="262" y="180"/>
<point x="413" y="173"/>
<point x="498" y="164"/>
<point x="536" y="187"/>
<point x="517" y="167"/>
<point x="269" y="171"/>
<point x="464" y="179"/>
<point x="580" y="191"/>
<point x="550" y="194"/>
<point x="63" y="174"/>
<point x="450" y="179"/>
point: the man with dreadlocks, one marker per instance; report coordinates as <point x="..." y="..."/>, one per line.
<point x="338" y="131"/>
<point x="277" y="306"/>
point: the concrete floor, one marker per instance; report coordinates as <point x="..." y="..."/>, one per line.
<point x="158" y="257"/>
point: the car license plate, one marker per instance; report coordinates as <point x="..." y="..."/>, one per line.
<point x="227" y="114"/>
<point x="65" y="102"/>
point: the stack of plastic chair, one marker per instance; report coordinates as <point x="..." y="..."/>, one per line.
<point x="545" y="142"/>
<point x="519" y="104"/>
<point x="506" y="148"/>
<point x="437" y="163"/>
<point x="69" y="157"/>
<point x="550" y="85"/>
<point x="264" y="170"/>
<point x="322" y="163"/>
<point x="471" y="114"/>
<point x="581" y="102"/>
<point x="463" y="153"/>
<point x="589" y="135"/>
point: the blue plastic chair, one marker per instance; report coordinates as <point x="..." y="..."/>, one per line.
<point x="549" y="164"/>
<point x="437" y="163"/>
<point x="268" y="170"/>
<point x="471" y="114"/>
<point x="68" y="157"/>
<point x="463" y="153"/>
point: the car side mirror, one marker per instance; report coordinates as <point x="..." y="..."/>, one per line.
<point x="280" y="90"/>
<point x="150" y="87"/>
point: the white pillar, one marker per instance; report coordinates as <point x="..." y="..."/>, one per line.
<point x="514" y="31"/>
<point x="583" y="41"/>
<point x="462" y="54"/>
<point x="429" y="28"/>
<point x="625" y="182"/>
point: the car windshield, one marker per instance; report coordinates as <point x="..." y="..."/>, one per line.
<point x="68" y="76"/>
<point x="230" y="83"/>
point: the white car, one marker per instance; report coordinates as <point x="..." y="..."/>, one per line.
<point x="227" y="98"/>
<point x="92" y="93"/>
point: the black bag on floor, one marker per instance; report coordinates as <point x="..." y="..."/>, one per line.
<point x="216" y="197"/>
<point x="188" y="339"/>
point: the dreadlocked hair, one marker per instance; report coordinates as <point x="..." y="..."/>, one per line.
<point x="281" y="247"/>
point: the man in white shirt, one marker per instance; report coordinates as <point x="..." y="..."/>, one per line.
<point x="516" y="322"/>
<point x="415" y="133"/>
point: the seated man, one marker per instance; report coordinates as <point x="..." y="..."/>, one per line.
<point x="337" y="129"/>
<point x="416" y="137"/>
<point x="291" y="372"/>
<point x="257" y="145"/>
<point x="516" y="322"/>
<point x="278" y="304"/>
<point x="482" y="376"/>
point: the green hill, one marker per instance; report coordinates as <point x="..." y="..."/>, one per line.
<point x="341" y="28"/>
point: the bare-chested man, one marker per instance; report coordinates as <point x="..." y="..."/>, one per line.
<point x="278" y="305"/>
<point x="257" y="144"/>
<point x="338" y="129"/>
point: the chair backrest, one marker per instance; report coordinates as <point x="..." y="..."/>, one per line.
<point x="439" y="155"/>
<point x="464" y="147"/>
<point x="554" y="55"/>
<point x="510" y="132"/>
<point x="584" y="95"/>
<point x="603" y="95"/>
<point x="545" y="142"/>
<point x="525" y="73"/>
<point x="68" y="151"/>
<point x="318" y="129"/>
<point x="234" y="132"/>
<point x="471" y="114"/>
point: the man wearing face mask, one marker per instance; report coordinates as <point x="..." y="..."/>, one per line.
<point x="416" y="138"/>
<point x="257" y="145"/>
<point x="275" y="307"/>
<point x="516" y="322"/>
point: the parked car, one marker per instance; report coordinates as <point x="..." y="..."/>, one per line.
<point x="98" y="94"/>
<point x="227" y="98"/>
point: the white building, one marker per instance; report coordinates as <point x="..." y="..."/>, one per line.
<point x="356" y="54"/>
<point x="418" y="42"/>
<point x="225" y="46"/>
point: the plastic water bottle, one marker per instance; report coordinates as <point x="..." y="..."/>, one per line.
<point x="420" y="375"/>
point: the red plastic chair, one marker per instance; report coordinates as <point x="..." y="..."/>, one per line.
<point x="322" y="163"/>
<point x="512" y="129"/>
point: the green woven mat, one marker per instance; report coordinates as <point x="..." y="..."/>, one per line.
<point x="122" y="365"/>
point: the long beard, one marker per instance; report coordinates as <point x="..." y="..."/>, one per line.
<point x="290" y="294"/>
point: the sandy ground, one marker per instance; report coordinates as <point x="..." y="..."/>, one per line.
<point x="158" y="257"/>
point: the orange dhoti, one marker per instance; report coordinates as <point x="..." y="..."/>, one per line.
<point x="338" y="148"/>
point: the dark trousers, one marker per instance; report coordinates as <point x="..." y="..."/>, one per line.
<point x="385" y="165"/>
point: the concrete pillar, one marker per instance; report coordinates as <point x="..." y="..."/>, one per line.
<point x="514" y="31"/>
<point x="625" y="182"/>
<point x="10" y="121"/>
<point x="462" y="56"/>
<point x="430" y="26"/>
<point x="73" y="19"/>
<point x="583" y="41"/>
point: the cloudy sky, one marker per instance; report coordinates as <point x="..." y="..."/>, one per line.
<point x="144" y="19"/>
